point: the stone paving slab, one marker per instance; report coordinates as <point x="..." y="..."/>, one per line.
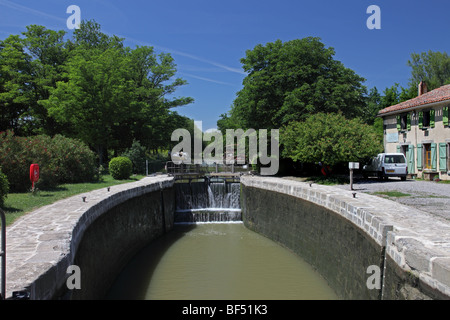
<point x="418" y="241"/>
<point x="43" y="243"/>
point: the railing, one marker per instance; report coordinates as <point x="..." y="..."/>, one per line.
<point x="185" y="171"/>
<point x="3" y="256"/>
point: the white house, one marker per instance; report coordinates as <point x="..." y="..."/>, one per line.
<point x="419" y="128"/>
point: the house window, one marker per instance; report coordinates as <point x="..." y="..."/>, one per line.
<point x="403" y="121"/>
<point x="426" y="119"/>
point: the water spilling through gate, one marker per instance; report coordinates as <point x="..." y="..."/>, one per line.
<point x="208" y="200"/>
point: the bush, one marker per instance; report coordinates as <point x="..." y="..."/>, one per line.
<point x="60" y="159"/>
<point x="4" y="187"/>
<point x="137" y="156"/>
<point x="120" y="168"/>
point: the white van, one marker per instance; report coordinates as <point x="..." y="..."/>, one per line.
<point x="387" y="165"/>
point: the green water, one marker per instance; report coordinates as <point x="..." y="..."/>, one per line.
<point x="218" y="262"/>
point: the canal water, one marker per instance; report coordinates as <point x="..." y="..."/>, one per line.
<point x="218" y="261"/>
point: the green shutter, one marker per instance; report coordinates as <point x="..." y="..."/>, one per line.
<point x="408" y="121"/>
<point x="410" y="159"/>
<point x="433" y="156"/>
<point x="419" y="156"/>
<point x="432" y="112"/>
<point x="445" y="116"/>
<point x="399" y="124"/>
<point x="443" y="157"/>
<point x="398" y="149"/>
<point x="420" y="119"/>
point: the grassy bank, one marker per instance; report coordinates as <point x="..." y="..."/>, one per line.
<point x="18" y="204"/>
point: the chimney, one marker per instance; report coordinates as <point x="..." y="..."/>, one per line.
<point x="422" y="88"/>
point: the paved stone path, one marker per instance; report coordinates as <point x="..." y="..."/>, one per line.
<point x="427" y="196"/>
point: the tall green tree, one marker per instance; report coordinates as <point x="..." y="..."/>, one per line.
<point x="16" y="94"/>
<point x="431" y="67"/>
<point x="49" y="54"/>
<point x="114" y="95"/>
<point x="287" y="81"/>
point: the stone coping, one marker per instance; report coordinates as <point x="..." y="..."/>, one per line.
<point x="417" y="241"/>
<point x="44" y="242"/>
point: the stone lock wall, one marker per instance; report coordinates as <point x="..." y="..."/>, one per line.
<point x="342" y="236"/>
<point x="99" y="235"/>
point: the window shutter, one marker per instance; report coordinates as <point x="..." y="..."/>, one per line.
<point x="419" y="156"/>
<point x="443" y="157"/>
<point x="433" y="156"/>
<point x="445" y="116"/>
<point x="432" y="112"/>
<point x="398" y="149"/>
<point x="399" y="125"/>
<point x="420" y="119"/>
<point x="411" y="168"/>
<point x="408" y="121"/>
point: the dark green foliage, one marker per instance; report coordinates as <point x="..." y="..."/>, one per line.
<point x="89" y="87"/>
<point x="120" y="168"/>
<point x="330" y="139"/>
<point x="60" y="160"/>
<point x="4" y="187"/>
<point x="288" y="81"/>
<point x="137" y="155"/>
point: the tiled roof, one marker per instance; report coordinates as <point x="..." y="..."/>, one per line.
<point x="436" y="95"/>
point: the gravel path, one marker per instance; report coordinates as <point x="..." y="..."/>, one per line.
<point x="427" y="196"/>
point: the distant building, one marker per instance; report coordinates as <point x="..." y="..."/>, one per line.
<point x="419" y="128"/>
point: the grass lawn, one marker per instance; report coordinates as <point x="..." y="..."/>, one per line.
<point x="395" y="194"/>
<point x="18" y="204"/>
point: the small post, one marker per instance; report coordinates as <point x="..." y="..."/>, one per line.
<point x="146" y="167"/>
<point x="352" y="166"/>
<point x="351" y="179"/>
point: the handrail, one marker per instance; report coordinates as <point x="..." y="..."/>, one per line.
<point x="3" y="256"/>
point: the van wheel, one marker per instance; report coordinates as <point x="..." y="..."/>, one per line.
<point x="380" y="176"/>
<point x="403" y="178"/>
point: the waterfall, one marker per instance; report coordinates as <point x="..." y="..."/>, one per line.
<point x="208" y="201"/>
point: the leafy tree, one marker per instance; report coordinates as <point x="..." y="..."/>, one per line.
<point x="373" y="105"/>
<point x="329" y="138"/>
<point x="49" y="54"/>
<point x="431" y="67"/>
<point x="15" y="92"/>
<point x="114" y="94"/>
<point x="288" y="81"/>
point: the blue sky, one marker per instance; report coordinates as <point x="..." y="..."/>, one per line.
<point x="208" y="38"/>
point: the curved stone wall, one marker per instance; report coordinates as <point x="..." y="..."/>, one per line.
<point x="353" y="242"/>
<point x="98" y="235"/>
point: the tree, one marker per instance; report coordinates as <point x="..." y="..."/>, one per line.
<point x="289" y="81"/>
<point x="113" y="94"/>
<point x="373" y="105"/>
<point x="431" y="67"/>
<point x="329" y="138"/>
<point x="15" y="92"/>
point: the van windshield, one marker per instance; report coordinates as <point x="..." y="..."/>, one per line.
<point x="394" y="159"/>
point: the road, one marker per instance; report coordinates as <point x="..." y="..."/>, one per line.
<point x="427" y="196"/>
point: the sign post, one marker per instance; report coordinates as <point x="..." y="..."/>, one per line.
<point x="352" y="166"/>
